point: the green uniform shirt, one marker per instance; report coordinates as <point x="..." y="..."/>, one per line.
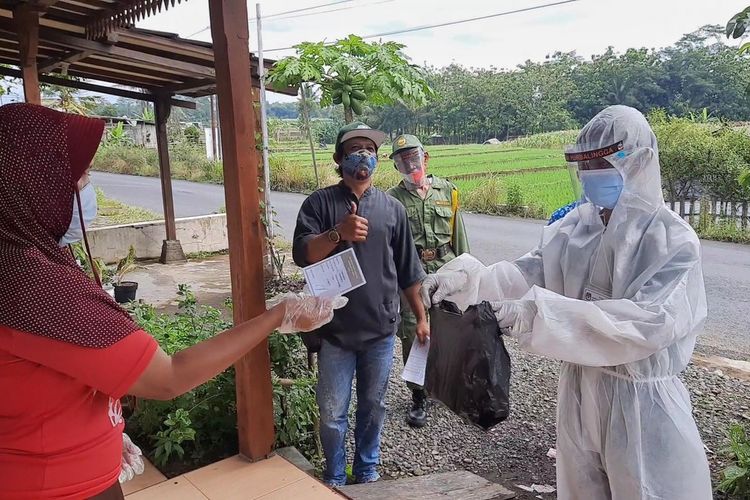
<point x="430" y="220"/>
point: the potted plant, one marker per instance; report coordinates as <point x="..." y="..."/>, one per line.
<point x="104" y="272"/>
<point x="125" y="291"/>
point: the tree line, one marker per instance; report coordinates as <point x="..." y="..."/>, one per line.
<point x="699" y="74"/>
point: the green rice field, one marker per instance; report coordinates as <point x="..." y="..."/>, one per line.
<point x="480" y="171"/>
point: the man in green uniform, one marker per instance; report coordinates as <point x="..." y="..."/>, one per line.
<point x="437" y="227"/>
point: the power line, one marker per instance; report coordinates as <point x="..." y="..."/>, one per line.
<point x="282" y="13"/>
<point x="451" y="23"/>
<point x="305" y="9"/>
<point x="332" y="10"/>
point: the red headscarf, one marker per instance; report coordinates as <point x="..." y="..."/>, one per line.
<point x="43" y="153"/>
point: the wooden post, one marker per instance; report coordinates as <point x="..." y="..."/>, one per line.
<point x="27" y="27"/>
<point x="171" y="250"/>
<point x="229" y="29"/>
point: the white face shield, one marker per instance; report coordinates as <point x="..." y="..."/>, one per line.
<point x="410" y="164"/>
<point x="594" y="174"/>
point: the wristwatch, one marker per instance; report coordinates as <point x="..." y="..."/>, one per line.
<point x="334" y="236"/>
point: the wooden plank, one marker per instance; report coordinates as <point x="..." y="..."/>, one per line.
<point x="162" y="111"/>
<point x="69" y="57"/>
<point x="158" y="44"/>
<point x="42" y="4"/>
<point x="141" y="96"/>
<point x="192" y="86"/>
<point x="104" y="76"/>
<point x="462" y="485"/>
<point x="63" y="16"/>
<point x="229" y="28"/>
<point x="201" y="85"/>
<point x="135" y="68"/>
<point x="74" y="7"/>
<point x="138" y="79"/>
<point x="74" y="42"/>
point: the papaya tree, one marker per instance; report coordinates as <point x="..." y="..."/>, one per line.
<point x="354" y="74"/>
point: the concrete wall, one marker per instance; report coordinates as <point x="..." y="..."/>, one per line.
<point x="207" y="233"/>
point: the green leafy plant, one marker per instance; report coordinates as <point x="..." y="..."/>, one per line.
<point x="177" y="430"/>
<point x="737" y="26"/>
<point x="744" y="179"/>
<point x="148" y="115"/>
<point x="514" y="198"/>
<point x="192" y="135"/>
<point x="735" y="479"/>
<point x="353" y="73"/>
<point x="125" y="266"/>
<point x="116" y="136"/>
<point x="105" y="273"/>
<point x="200" y="426"/>
<point x="296" y="414"/>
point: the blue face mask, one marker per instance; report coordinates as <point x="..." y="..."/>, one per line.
<point x="602" y="187"/>
<point x="88" y="205"/>
<point x="360" y="164"/>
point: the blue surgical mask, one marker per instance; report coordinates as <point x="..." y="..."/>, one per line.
<point x="602" y="187"/>
<point x="360" y="164"/>
<point x="74" y="233"/>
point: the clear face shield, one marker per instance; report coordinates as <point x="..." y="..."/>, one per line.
<point x="593" y="173"/>
<point x="410" y="164"/>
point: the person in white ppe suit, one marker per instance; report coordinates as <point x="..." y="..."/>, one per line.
<point x="615" y="291"/>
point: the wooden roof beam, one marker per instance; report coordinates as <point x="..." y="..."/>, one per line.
<point x="42" y="5"/>
<point x="127" y="54"/>
<point x="69" y="57"/>
<point x="76" y="43"/>
<point x="192" y="86"/>
<point x="140" y="96"/>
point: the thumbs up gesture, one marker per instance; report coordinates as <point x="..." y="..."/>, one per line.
<point x="353" y="227"/>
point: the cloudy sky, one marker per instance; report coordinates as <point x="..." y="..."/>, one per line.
<point x="585" y="26"/>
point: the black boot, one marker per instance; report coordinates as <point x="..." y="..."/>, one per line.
<point x="418" y="414"/>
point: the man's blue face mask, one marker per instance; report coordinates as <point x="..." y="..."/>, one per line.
<point x="360" y="164"/>
<point x="602" y="187"/>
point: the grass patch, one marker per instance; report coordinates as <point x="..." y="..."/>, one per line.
<point x="112" y="212"/>
<point x="726" y="230"/>
<point x="533" y="194"/>
<point x="187" y="161"/>
<point x="550" y="140"/>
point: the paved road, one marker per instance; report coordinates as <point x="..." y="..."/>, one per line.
<point x="726" y="265"/>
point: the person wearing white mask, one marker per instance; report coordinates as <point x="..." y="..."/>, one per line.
<point x="615" y="291"/>
<point x="87" y="196"/>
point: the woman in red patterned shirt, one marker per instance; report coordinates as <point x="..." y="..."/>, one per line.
<point x="68" y="353"/>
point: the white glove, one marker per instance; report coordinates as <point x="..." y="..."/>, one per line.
<point x="436" y="287"/>
<point x="131" y="463"/>
<point x="516" y="316"/>
<point x="304" y="313"/>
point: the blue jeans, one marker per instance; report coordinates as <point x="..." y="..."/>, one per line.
<point x="336" y="370"/>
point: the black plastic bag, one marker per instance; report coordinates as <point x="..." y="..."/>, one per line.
<point x="468" y="367"/>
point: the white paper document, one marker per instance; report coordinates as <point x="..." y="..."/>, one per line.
<point x="416" y="363"/>
<point x="334" y="276"/>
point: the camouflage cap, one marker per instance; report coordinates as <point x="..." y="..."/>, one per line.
<point x="405" y="141"/>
